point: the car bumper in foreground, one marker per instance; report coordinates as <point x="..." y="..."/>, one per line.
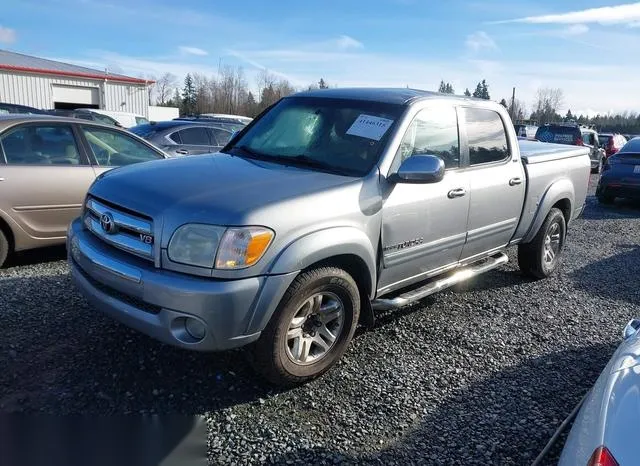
<point x="196" y="313"/>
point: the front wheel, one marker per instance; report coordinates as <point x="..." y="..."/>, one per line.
<point x="311" y="329"/>
<point x="541" y="257"/>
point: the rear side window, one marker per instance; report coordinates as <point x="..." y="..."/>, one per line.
<point x="588" y="138"/>
<point x="194" y="136"/>
<point x="221" y="137"/>
<point x="41" y="145"/>
<point x="486" y="135"/>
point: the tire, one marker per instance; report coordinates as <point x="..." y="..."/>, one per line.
<point x="299" y="323"/>
<point x="598" y="169"/>
<point x="607" y="199"/>
<point x="534" y="258"/>
<point x="4" y="248"/>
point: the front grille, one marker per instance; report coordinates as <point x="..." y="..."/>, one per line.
<point x="130" y="300"/>
<point x="120" y="228"/>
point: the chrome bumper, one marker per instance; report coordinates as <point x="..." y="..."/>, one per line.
<point x="159" y="303"/>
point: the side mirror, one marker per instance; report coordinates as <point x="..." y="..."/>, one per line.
<point x="630" y="329"/>
<point x="420" y="168"/>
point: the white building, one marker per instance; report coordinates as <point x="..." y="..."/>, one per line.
<point x="48" y="84"/>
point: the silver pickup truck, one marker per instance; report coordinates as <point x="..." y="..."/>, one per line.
<point x="328" y="206"/>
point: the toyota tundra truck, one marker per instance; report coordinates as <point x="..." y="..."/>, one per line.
<point x="329" y="206"/>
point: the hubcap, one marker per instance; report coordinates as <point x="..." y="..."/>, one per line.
<point x="552" y="243"/>
<point x="314" y="329"/>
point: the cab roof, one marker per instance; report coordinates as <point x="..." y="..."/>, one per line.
<point x="398" y="96"/>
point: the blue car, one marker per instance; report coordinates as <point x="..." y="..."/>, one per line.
<point x="621" y="174"/>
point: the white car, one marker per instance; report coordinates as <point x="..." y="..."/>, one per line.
<point x="126" y="119"/>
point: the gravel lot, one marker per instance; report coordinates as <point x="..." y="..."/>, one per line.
<point x="483" y="373"/>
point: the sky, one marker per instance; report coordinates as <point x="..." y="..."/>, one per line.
<point x="587" y="48"/>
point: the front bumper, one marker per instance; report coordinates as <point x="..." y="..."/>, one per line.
<point x="159" y="303"/>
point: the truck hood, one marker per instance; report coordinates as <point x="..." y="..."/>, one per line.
<point x="216" y="188"/>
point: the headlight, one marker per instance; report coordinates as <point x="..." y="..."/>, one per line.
<point x="243" y="247"/>
<point x="195" y="244"/>
<point x="223" y="248"/>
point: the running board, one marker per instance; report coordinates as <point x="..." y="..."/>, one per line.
<point x="430" y="288"/>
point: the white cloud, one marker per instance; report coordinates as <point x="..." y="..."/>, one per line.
<point x="345" y="42"/>
<point x="619" y="14"/>
<point x="185" y="50"/>
<point x="7" y="35"/>
<point x="480" y="40"/>
<point x="576" y="30"/>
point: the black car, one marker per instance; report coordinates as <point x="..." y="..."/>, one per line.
<point x="621" y="174"/>
<point x="86" y="115"/>
<point x="179" y="137"/>
<point x="574" y="135"/>
<point x="19" y="109"/>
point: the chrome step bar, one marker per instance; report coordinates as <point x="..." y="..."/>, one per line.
<point x="430" y="288"/>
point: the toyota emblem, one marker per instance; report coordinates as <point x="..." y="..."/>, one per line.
<point x="107" y="223"/>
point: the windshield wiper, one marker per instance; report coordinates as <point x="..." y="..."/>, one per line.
<point x="252" y="153"/>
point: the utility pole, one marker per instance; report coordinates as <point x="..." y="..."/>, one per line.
<point x="513" y="101"/>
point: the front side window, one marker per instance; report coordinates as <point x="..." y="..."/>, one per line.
<point x="41" y="145"/>
<point x="339" y="135"/>
<point x="486" y="135"/>
<point x="433" y="131"/>
<point x="194" y="136"/>
<point x="114" y="149"/>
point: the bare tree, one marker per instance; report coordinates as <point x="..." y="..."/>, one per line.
<point x="165" y="87"/>
<point x="518" y="110"/>
<point x="547" y="103"/>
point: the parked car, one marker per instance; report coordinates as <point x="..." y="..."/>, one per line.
<point x="22" y="109"/>
<point x="126" y="119"/>
<point x="605" y="430"/>
<point x="46" y="166"/>
<point x="526" y="131"/>
<point x="331" y="204"/>
<point x="217" y="122"/>
<point x="232" y="118"/>
<point x="611" y="143"/>
<point x="86" y="115"/>
<point x="621" y="174"/>
<point x="178" y="138"/>
<point x="574" y="135"/>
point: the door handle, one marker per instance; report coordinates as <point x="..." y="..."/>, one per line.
<point x="182" y="151"/>
<point x="459" y="192"/>
<point x="515" y="181"/>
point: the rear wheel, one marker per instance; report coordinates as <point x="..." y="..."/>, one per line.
<point x="311" y="329"/>
<point x="541" y="257"/>
<point x="4" y="248"/>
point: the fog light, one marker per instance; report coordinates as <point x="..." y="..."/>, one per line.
<point x="195" y="328"/>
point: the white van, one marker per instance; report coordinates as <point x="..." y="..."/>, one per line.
<point x="126" y="119"/>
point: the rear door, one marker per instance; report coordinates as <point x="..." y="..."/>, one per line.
<point x="45" y="176"/>
<point x="193" y="141"/>
<point x="497" y="181"/>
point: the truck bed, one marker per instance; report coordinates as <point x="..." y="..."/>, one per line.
<point x="537" y="152"/>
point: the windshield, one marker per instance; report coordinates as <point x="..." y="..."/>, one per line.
<point x="344" y="135"/>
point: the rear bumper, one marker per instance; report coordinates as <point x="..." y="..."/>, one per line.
<point x="159" y="303"/>
<point x="617" y="189"/>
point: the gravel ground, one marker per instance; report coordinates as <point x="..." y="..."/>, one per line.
<point x="483" y="373"/>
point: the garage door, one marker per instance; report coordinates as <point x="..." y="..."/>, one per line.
<point x="76" y="95"/>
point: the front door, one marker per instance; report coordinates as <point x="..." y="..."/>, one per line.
<point x="424" y="225"/>
<point x="497" y="183"/>
<point x="45" y="178"/>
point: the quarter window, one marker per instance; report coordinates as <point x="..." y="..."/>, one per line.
<point x="433" y="131"/>
<point x="41" y="145"/>
<point x="114" y="149"/>
<point x="587" y="138"/>
<point x="486" y="135"/>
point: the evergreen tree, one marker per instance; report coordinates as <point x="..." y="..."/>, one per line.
<point x="442" y="88"/>
<point x="188" y="96"/>
<point x="478" y="92"/>
<point x="322" y="84"/>
<point x="504" y="103"/>
<point x="445" y="88"/>
<point x="569" y="116"/>
<point x="467" y="93"/>
<point x="485" y="90"/>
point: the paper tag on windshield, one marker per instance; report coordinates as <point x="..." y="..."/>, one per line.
<point x="370" y="127"/>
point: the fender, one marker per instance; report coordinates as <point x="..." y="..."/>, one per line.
<point x="324" y="244"/>
<point x="557" y="191"/>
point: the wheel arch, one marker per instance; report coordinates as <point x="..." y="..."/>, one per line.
<point x="561" y="195"/>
